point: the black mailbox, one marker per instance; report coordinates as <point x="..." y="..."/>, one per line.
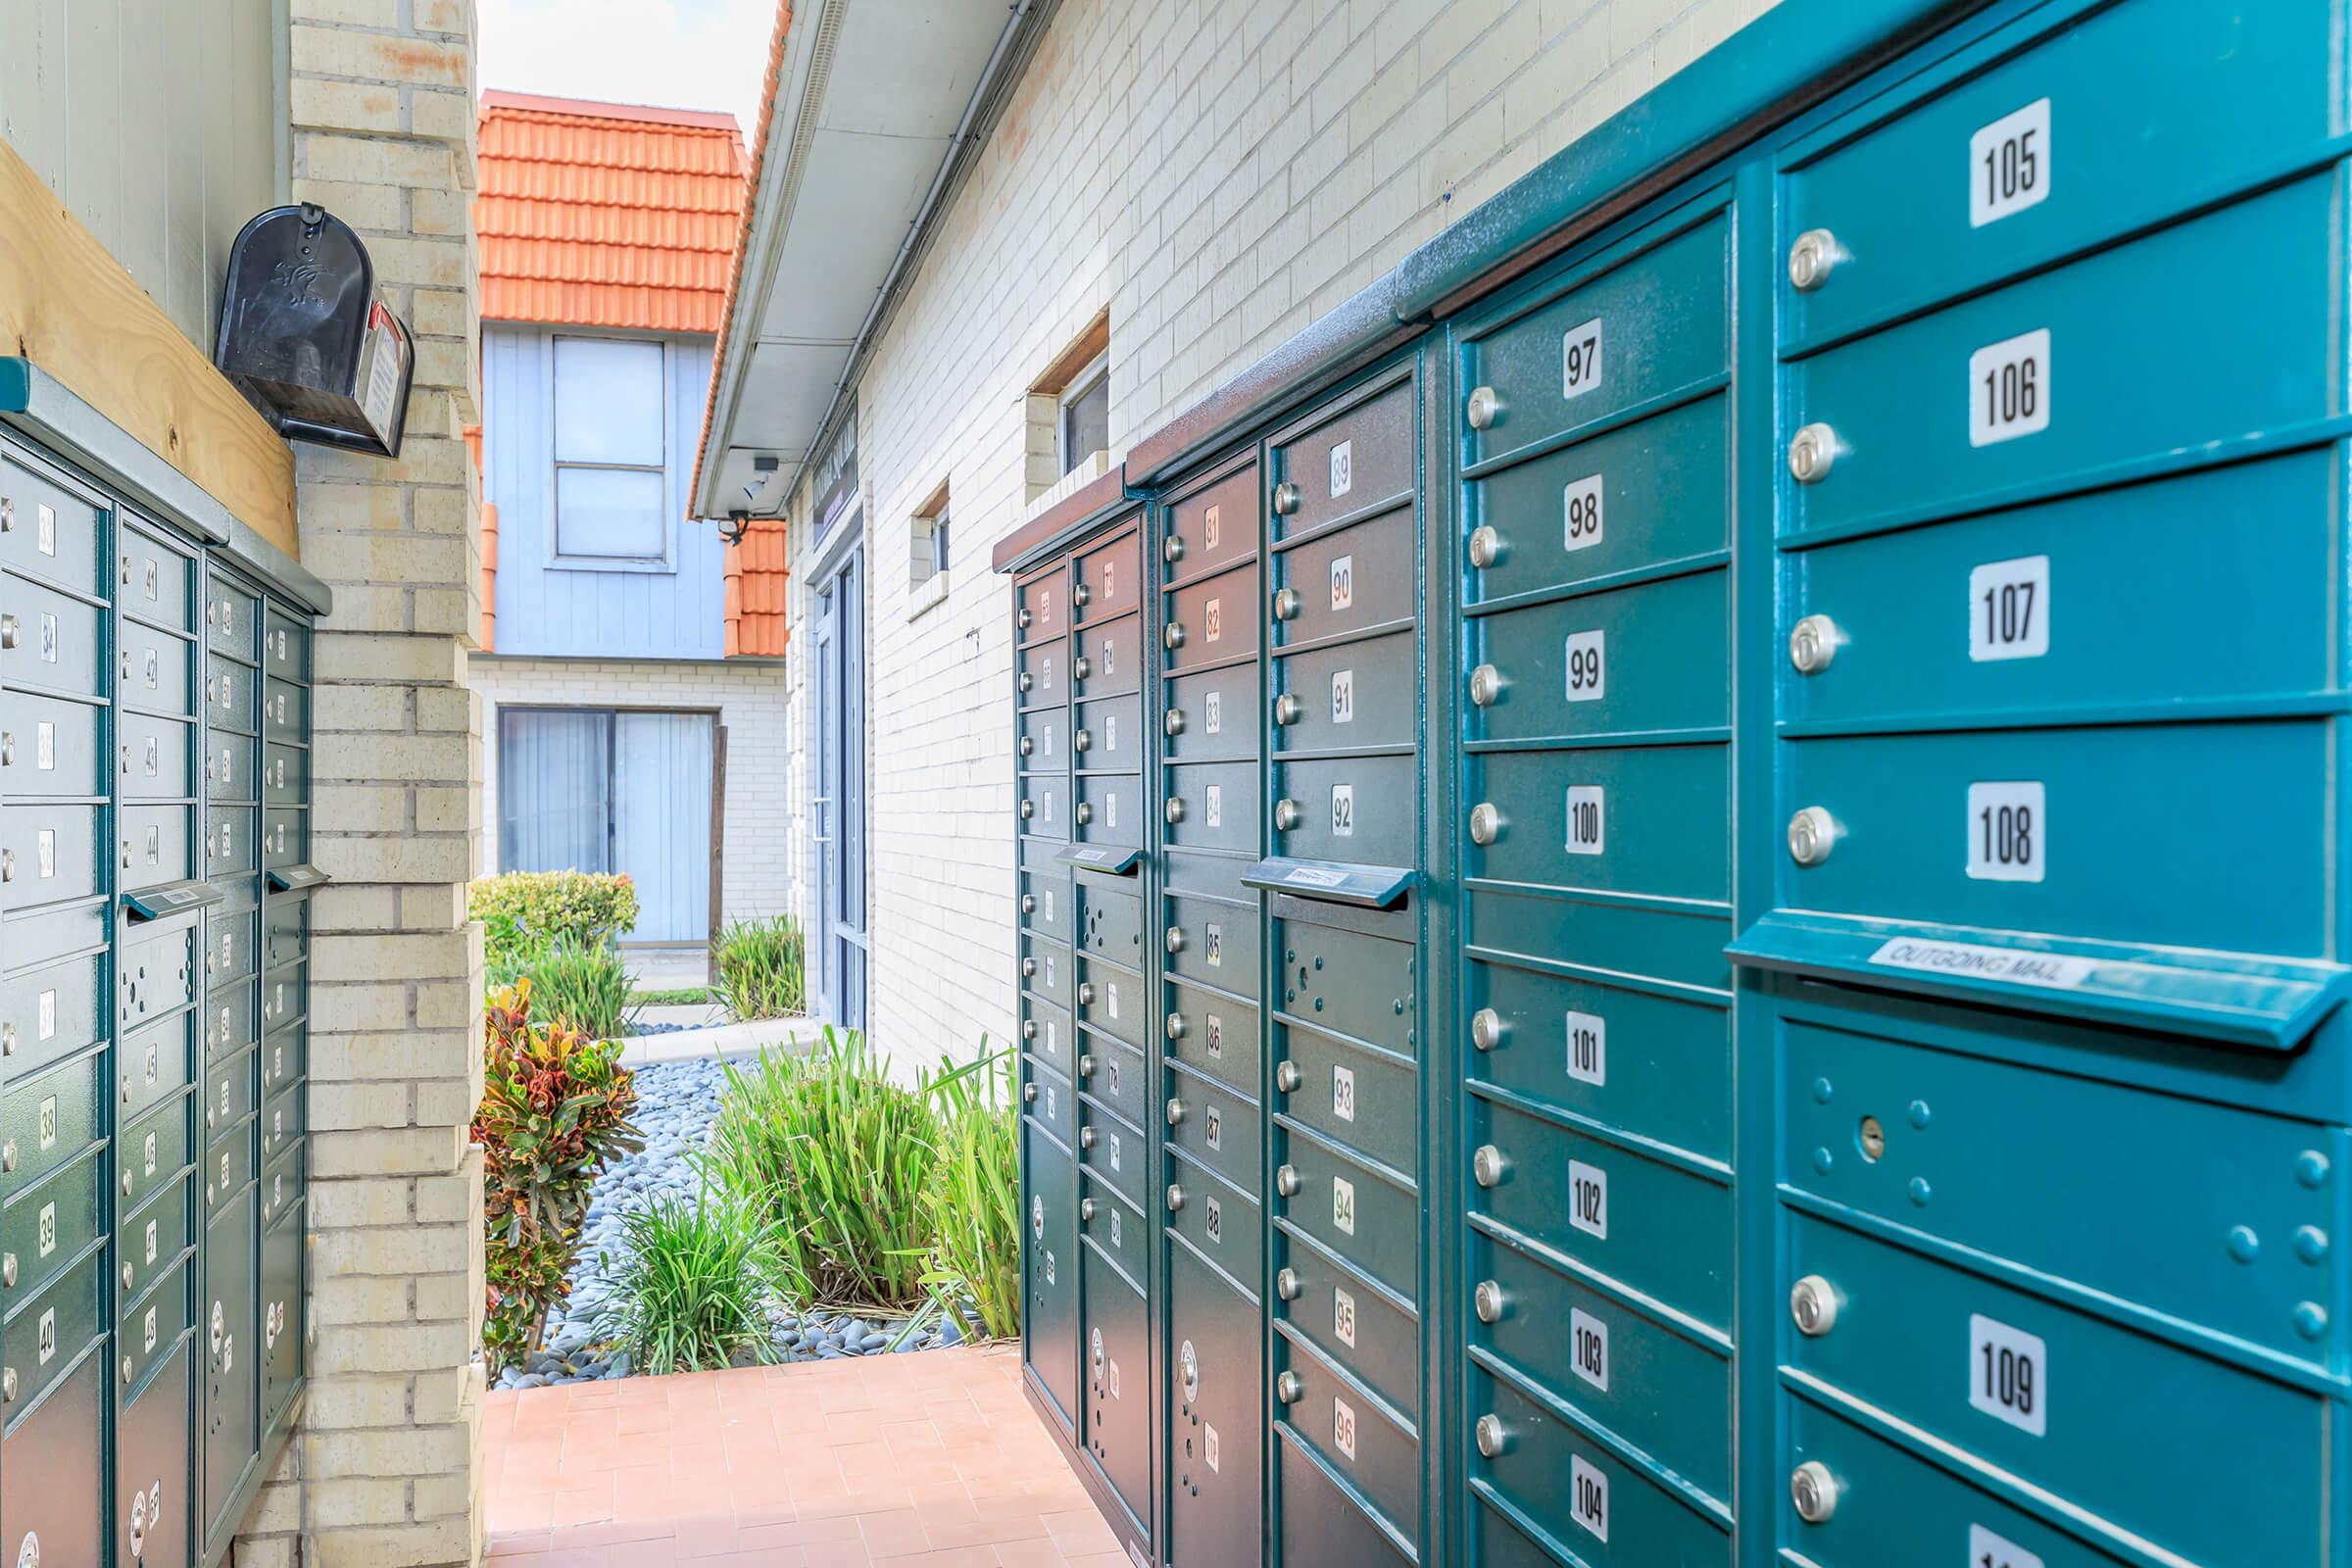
<point x="305" y="337"/>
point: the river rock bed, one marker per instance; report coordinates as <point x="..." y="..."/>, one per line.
<point x="677" y="1103"/>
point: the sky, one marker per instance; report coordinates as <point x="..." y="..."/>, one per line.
<point x="676" y="54"/>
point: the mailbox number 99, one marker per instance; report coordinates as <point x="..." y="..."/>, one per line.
<point x="1586" y="676"/>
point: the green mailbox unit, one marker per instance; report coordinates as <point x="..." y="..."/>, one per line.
<point x="153" y="921"/>
<point x="1742" y="889"/>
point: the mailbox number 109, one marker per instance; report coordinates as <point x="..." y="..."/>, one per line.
<point x="2007" y="1371"/>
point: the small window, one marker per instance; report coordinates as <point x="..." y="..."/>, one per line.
<point x="939" y="542"/>
<point x="610" y="450"/>
<point x="1085" y="419"/>
<point x="927" y="541"/>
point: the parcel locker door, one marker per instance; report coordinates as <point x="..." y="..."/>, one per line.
<point x="227" y="1337"/>
<point x="1217" y="1428"/>
<point x="1050" y="1269"/>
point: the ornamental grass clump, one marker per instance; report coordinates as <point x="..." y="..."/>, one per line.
<point x="762" y="969"/>
<point x="972" y="1200"/>
<point x="584" y="989"/>
<point x="693" y="1290"/>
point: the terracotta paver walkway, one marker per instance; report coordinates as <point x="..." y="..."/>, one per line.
<point x="933" y="1458"/>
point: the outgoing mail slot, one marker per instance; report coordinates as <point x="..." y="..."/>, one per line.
<point x="1113" y="999"/>
<point x="47" y="853"/>
<point x="1042" y="679"/>
<point x="229" y="1023"/>
<point x="1042" y="607"/>
<point x="1114" y="1153"/>
<point x="1662" y="1228"/>
<point x="152" y="1152"/>
<point x="1351" y="1320"/>
<point x="1108" y="735"/>
<point x="285" y="995"/>
<point x="1213" y="620"/>
<point x="286" y="926"/>
<point x="1369" y="1216"/>
<point x="153" y="1062"/>
<point x="48" y="528"/>
<point x="1586" y="1496"/>
<point x="1116" y="1363"/>
<point x="1653" y="1382"/>
<point x="1635" y="497"/>
<point x="1046" y="1030"/>
<point x="1109" y="658"/>
<point x="155" y="670"/>
<point x="1966" y="618"/>
<point x="50" y="1474"/>
<point x="232" y="841"/>
<point x="232" y="620"/>
<point x="2001" y="1136"/>
<point x="1050" y="1269"/>
<point x="285" y="1055"/>
<point x="1212" y="1034"/>
<point x="1109" y="809"/>
<point x="153" y="1438"/>
<point x="285" y="647"/>
<point x="1366" y="1100"/>
<point x="1644" y="820"/>
<point x="2074" y="1405"/>
<point x="156" y="580"/>
<point x="1213" y="942"/>
<point x="1635" y="660"/>
<point x="285" y="775"/>
<point x="285" y="836"/>
<point x="1214" y="805"/>
<point x="1108" y="581"/>
<point x="1545" y="1038"/>
<point x="149" y="1245"/>
<point x="1115" y="1074"/>
<point x="156" y="974"/>
<point x="1349" y="982"/>
<point x="229" y="1092"/>
<point x="49" y="746"/>
<point x="48" y="1012"/>
<point x="1346" y="581"/>
<point x="48" y="641"/>
<point x="1349" y="460"/>
<point x="282" y="1181"/>
<point x="1355" y="1431"/>
<point x="1212" y="715"/>
<point x="232" y="698"/>
<point x="1360" y="810"/>
<point x="1212" y="526"/>
<point x="2076" y="383"/>
<point x="41" y="1337"/>
<point x="2114" y="833"/>
<point x="283" y="1303"/>
<point x="46" y="1227"/>
<point x="1223" y="1223"/>
<point x="156" y="756"/>
<point x="1320" y="1523"/>
<point x="1653" y="323"/>
<point x="1347" y="695"/>
<point x="1044" y="809"/>
<point x="285" y="710"/>
<point x="155" y="848"/>
<point x="1042" y="746"/>
<point x="1214" y="1125"/>
<point x="1119" y="1232"/>
<point x="232" y="944"/>
<point x="1110" y="919"/>
<point x="1217" y="1428"/>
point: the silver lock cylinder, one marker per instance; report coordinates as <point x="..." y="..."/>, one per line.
<point x="1086" y="813"/>
<point x="1487" y="1166"/>
<point x="1288" y="604"/>
<point x="1486" y="546"/>
<point x="1028" y="746"/>
<point x="129" y="1276"/>
<point x="8" y="1155"/>
<point x="7" y="631"/>
<point x="1085" y="992"/>
<point x="1286" y="1285"/>
<point x="1028" y="1028"/>
<point x="1175" y="1197"/>
<point x="1086" y="1211"/>
<point x="1814" y="1491"/>
<point x="1028" y="1094"/>
<point x="1812" y="833"/>
<point x="1028" y="969"/>
<point x="1026" y="681"/>
<point x="1176" y="1110"/>
<point x="1288" y="709"/>
<point x="1080" y="668"/>
<point x="1023" y="619"/>
<point x="1486" y="1029"/>
<point x="8" y="1271"/>
<point x="1171" y="548"/>
<point x="1287" y="815"/>
<point x="1287" y="1181"/>
<point x="1175" y="1026"/>
<point x="1081" y="594"/>
<point x="1175" y="939"/>
<point x="7" y="750"/>
<point x="1088" y="1137"/>
<point x="1028" y="809"/>
<point x="28" y="1554"/>
<point x="1172" y="634"/>
<point x="1492" y="1440"/>
<point x="1286" y="499"/>
<point x="1813" y="1304"/>
<point x="1174" y="810"/>
<point x="8" y="1383"/>
<point x="1290" y="1387"/>
<point x="1487" y="1301"/>
<point x="1812" y="259"/>
<point x="1173" y="721"/>
<point x="1486" y="823"/>
<point x="1288" y="1077"/>
<point x="1086" y="1065"/>
<point x="1482" y="408"/>
<point x="1028" y="904"/>
<point x="1486" y="685"/>
<point x="1812" y="453"/>
<point x="8" y="1039"/>
<point x="1813" y="644"/>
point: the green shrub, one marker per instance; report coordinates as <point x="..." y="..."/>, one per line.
<point x="524" y="913"/>
<point x="834" y="1156"/>
<point x="972" y="1202"/>
<point x="555" y="1111"/>
<point x="695" y="1287"/>
<point x="583" y="989"/>
<point x="762" y="969"/>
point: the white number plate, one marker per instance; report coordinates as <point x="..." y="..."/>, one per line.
<point x="1989" y="1550"/>
<point x="1584" y="826"/>
<point x="1342" y="1205"/>
<point x="1208" y="540"/>
<point x="2009" y="608"/>
<point x="1343" y="1427"/>
<point x="2008" y="1374"/>
<point x="1212" y="619"/>
<point x="1212" y="806"/>
<point x="1588" y="1049"/>
<point x="1342" y="1317"/>
<point x="1342" y="583"/>
<point x="1208" y="1434"/>
<point x="2009" y="386"/>
<point x="1579" y="358"/>
<point x="2009" y="164"/>
<point x="1587" y="681"/>
<point x="1342" y="469"/>
<point x="1581" y="501"/>
<point x="1343" y="810"/>
<point x="1588" y="1198"/>
<point x="2007" y="832"/>
<point x="1213" y="711"/>
<point x="1343" y="696"/>
<point x="1342" y="1093"/>
<point x="1589" y="1339"/>
<point x="1589" y="1485"/>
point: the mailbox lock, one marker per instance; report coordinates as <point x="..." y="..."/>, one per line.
<point x="1171" y="548"/>
<point x="1080" y="668"/>
<point x="129" y="1276"/>
<point x="1085" y="992"/>
<point x="1286" y="499"/>
<point x="1487" y="1301"/>
<point x="7" y="631"/>
<point x="8" y="865"/>
<point x="1027" y="680"/>
<point x="1028" y="1094"/>
<point x="8" y="1270"/>
<point x="1288" y="604"/>
<point x="1288" y="1077"/>
<point x="1484" y="405"/>
<point x="1811" y="834"/>
<point x="1175" y="939"/>
<point x="1812" y="259"/>
<point x="29" y="1555"/>
<point x="8" y="1039"/>
<point x="1086" y="1210"/>
<point x="1175" y="1110"/>
<point x="1287" y="1181"/>
<point x="1028" y="1028"/>
<point x="1174" y="810"/>
<point x="1486" y="546"/>
<point x="1813" y="1303"/>
<point x="1086" y="813"/>
<point x="8" y="749"/>
<point x="7" y="1384"/>
<point x="1173" y="721"/>
<point x="1491" y="1439"/>
<point x="1812" y="644"/>
<point x="1028" y="904"/>
<point x="8" y="1155"/>
<point x="1486" y="823"/>
<point x="1288" y="1388"/>
<point x="1287" y="815"/>
<point x="1172" y="634"/>
<point x="1811" y="453"/>
<point x="1486" y="1028"/>
<point x="1486" y="684"/>
<point x="1086" y="1065"/>
<point x="1081" y="594"/>
<point x="1175" y="1026"/>
<point x="1028" y="969"/>
<point x="1023" y="618"/>
<point x="1814" y="1491"/>
<point x="1083" y="740"/>
<point x="1028" y="809"/>
<point x="1286" y="1285"/>
<point x="1028" y="745"/>
<point x="1087" y="1137"/>
<point x="1487" y="1166"/>
<point x="1175" y="1198"/>
<point x="1288" y="709"/>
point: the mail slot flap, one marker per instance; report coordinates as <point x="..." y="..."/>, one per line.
<point x="295" y="878"/>
<point x="2243" y="999"/>
<point x="1369" y="887"/>
<point x="167" y="899"/>
<point x="1111" y="860"/>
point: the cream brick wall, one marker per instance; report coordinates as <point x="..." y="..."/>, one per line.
<point x="1219" y="173"/>
<point x="760" y="870"/>
<point x="386" y="1470"/>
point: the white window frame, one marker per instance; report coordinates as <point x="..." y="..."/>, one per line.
<point x="1096" y="369"/>
<point x="667" y="560"/>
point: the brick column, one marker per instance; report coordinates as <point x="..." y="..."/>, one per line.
<point x="387" y="1470"/>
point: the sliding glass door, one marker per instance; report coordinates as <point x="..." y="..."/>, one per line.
<point x="603" y="790"/>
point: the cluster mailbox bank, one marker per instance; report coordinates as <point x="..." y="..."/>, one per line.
<point x="1681" y="886"/>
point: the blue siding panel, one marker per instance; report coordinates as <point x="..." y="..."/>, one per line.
<point x="557" y="611"/>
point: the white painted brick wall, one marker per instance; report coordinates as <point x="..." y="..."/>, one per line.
<point x="1220" y="173"/>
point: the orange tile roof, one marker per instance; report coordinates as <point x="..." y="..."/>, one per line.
<point x="607" y="215"/>
<point x="743" y="232"/>
<point x="757" y="571"/>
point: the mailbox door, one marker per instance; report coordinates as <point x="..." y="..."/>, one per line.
<point x="1216" y="1430"/>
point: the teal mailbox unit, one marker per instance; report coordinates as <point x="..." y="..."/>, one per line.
<point x="154" y="932"/>
<point x="1744" y="876"/>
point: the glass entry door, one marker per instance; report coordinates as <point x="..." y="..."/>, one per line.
<point x="838" y="808"/>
